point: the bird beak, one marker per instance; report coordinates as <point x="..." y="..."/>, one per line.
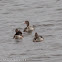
<point x="24" y="22"/>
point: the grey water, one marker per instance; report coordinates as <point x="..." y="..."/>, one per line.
<point x="46" y="16"/>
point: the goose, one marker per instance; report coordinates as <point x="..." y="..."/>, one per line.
<point x="28" y="28"/>
<point x="38" y="38"/>
<point x="18" y="34"/>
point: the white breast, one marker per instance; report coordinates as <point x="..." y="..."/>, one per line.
<point x="30" y="28"/>
<point x="38" y="39"/>
<point x="18" y="37"/>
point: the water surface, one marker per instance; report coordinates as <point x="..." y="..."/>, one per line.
<point x="46" y="16"/>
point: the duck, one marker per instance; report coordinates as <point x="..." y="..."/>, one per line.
<point x="37" y="38"/>
<point x="18" y="34"/>
<point x="28" y="28"/>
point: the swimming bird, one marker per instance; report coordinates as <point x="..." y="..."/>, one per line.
<point x="18" y="34"/>
<point x="38" y="38"/>
<point x="28" y="28"/>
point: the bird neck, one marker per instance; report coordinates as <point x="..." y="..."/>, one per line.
<point x="27" y="24"/>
